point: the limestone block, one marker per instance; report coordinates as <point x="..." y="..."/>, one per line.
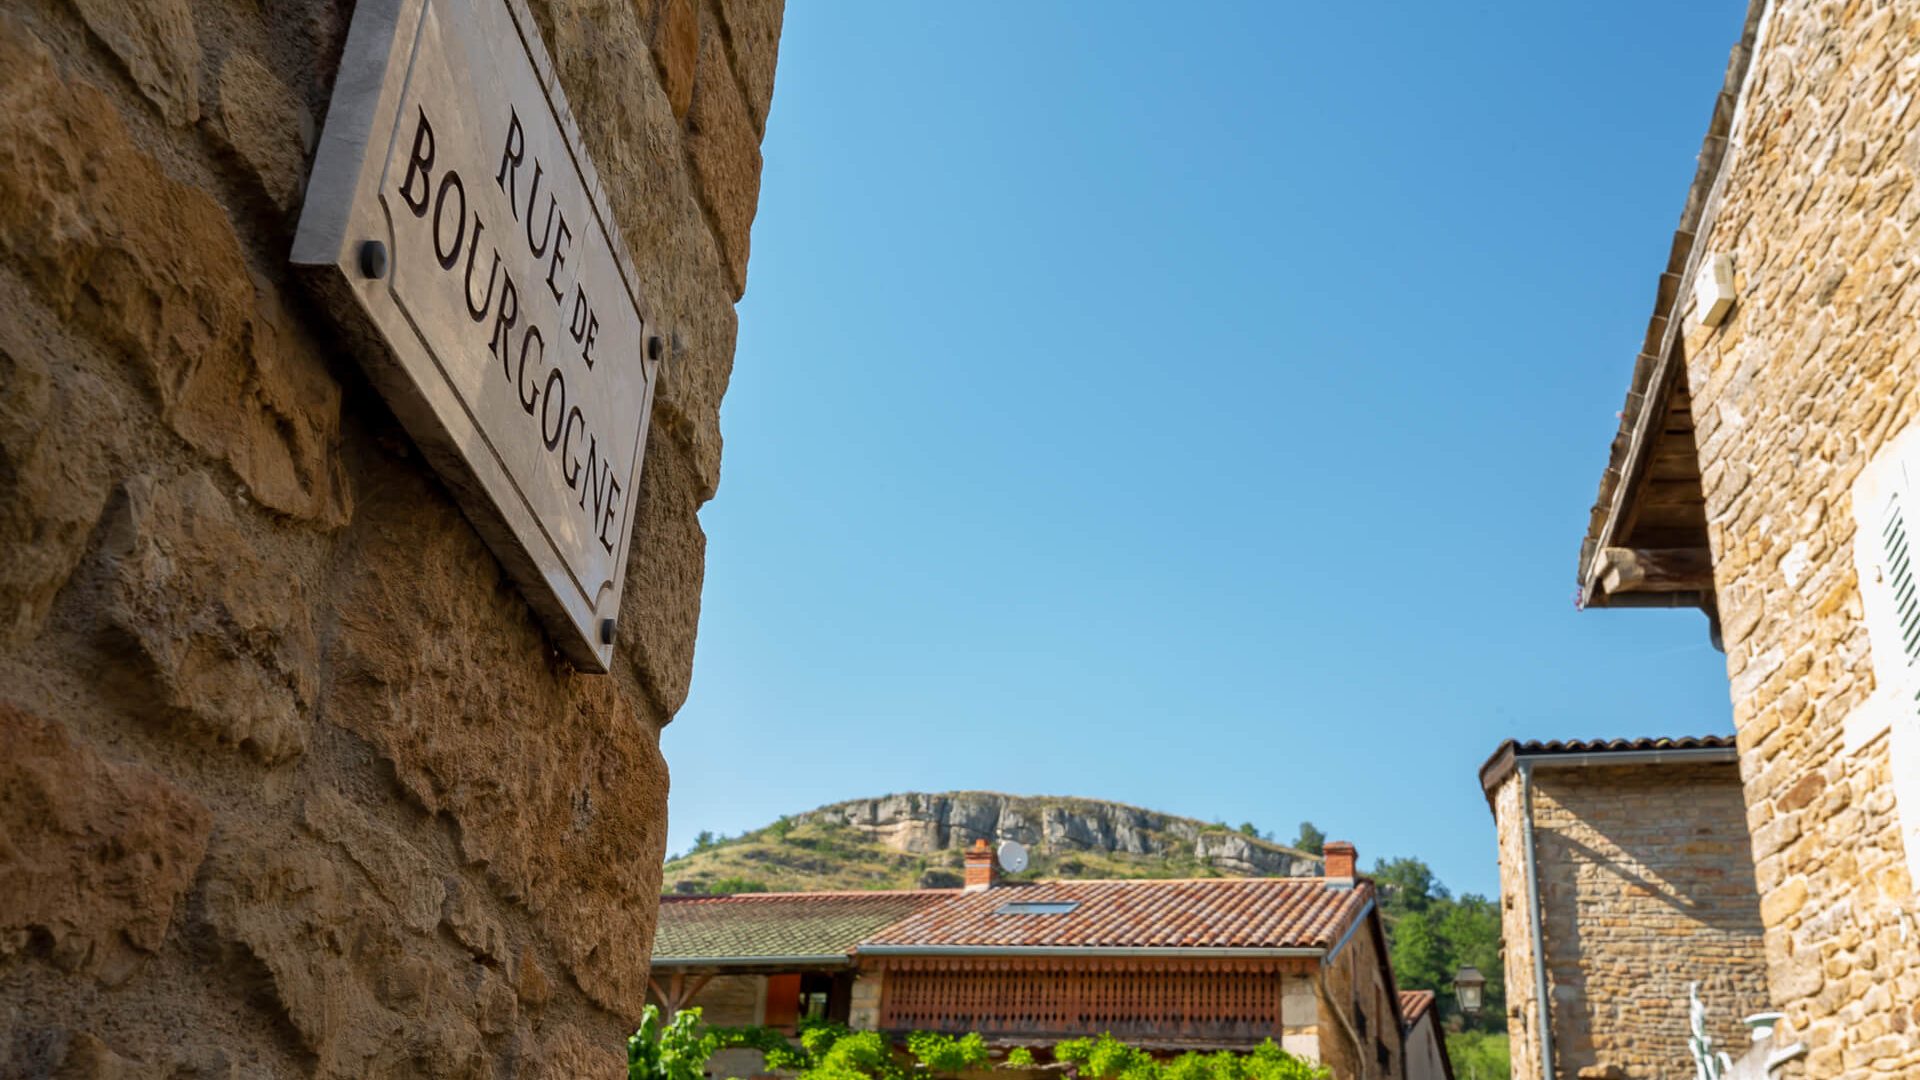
<point x="530" y="981"/>
<point x="498" y="1005"/>
<point x="1790" y="897"/>
<point x="753" y="26"/>
<point x="340" y="963"/>
<point x="155" y="42"/>
<point x="676" y="50"/>
<point x="565" y="1053"/>
<point x="628" y="124"/>
<point x="1302" y="1044"/>
<point x="54" y="474"/>
<point x="227" y="635"/>
<point x="660" y="610"/>
<point x="79" y="1055"/>
<point x="725" y="149"/>
<point x="153" y="269"/>
<point x="269" y="130"/>
<point x="395" y="867"/>
<point x="466" y="916"/>
<point x="554" y="779"/>
<point x="94" y="856"/>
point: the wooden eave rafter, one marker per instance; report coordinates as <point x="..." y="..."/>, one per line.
<point x="1646" y="542"/>
<point x="679" y="989"/>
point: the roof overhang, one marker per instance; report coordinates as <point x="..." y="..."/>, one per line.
<point x="753" y="963"/>
<point x="1093" y="951"/>
<point x="1646" y="541"/>
<point x="1511" y="755"/>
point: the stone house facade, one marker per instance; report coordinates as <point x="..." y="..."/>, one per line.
<point x="1169" y="965"/>
<point x="1762" y="470"/>
<point x="1426" y="1047"/>
<point x="1627" y="862"/>
<point x="292" y="782"/>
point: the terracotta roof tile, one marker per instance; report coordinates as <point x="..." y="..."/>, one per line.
<point x="1601" y="746"/>
<point x="1413" y="1003"/>
<point x="1212" y="913"/>
<point x="1500" y="763"/>
<point x="766" y="925"/>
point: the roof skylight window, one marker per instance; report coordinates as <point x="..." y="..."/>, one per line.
<point x="1037" y="907"/>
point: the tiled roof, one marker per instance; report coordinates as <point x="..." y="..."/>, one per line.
<point x="769" y="925"/>
<point x="1601" y="746"/>
<point x="1501" y="763"/>
<point x="1222" y="913"/>
<point x="1413" y="1003"/>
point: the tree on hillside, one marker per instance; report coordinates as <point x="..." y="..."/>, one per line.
<point x="1407" y="885"/>
<point x="1247" y="829"/>
<point x="1431" y="935"/>
<point x="1311" y="840"/>
<point x="703" y="840"/>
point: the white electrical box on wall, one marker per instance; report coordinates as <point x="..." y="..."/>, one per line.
<point x="1713" y="290"/>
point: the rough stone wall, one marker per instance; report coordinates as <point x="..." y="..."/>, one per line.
<point x="1299" y="1016"/>
<point x="1645" y="887"/>
<point x="732" y="1000"/>
<point x="869" y="988"/>
<point x="1815" y="369"/>
<point x="1516" y="939"/>
<point x="1358" y="1005"/>
<point x="291" y="783"/>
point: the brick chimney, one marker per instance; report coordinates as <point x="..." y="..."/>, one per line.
<point x="1341" y="859"/>
<point x="982" y="871"/>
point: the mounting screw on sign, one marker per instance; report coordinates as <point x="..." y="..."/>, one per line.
<point x="606" y="631"/>
<point x="373" y="259"/>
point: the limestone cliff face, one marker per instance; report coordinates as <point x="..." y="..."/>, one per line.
<point x="918" y="823"/>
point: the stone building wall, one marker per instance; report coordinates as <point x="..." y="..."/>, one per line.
<point x="1358" y="1010"/>
<point x="291" y="781"/>
<point x="1814" y="370"/>
<point x="1516" y="941"/>
<point x="1645" y="887"/>
<point x="734" y="1001"/>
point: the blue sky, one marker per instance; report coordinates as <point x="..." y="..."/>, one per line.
<point x="1197" y="408"/>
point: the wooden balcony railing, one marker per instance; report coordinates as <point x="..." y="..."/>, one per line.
<point x="1226" y="1002"/>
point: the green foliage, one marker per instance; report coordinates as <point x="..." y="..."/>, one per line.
<point x="946" y="1053"/>
<point x="1247" y="828"/>
<point x="729" y="885"/>
<point x="860" y="1053"/>
<point x="1431" y="935"/>
<point x="675" y="1051"/>
<point x="1073" y="1051"/>
<point x="1311" y="840"/>
<point x="1107" y="1058"/>
<point x="781" y="828"/>
<point x="828" y="1051"/>
<point x="817" y="1037"/>
<point x="703" y="840"/>
<point x="765" y="1040"/>
<point x="1269" y="1062"/>
<point x="1111" y="1058"/>
<point x="1479" y="1055"/>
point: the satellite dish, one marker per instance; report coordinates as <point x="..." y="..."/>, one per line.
<point x="1013" y="856"/>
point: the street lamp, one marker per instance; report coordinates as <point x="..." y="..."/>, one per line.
<point x="1467" y="984"/>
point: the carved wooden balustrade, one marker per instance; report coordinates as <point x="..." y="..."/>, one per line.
<point x="1226" y="1002"/>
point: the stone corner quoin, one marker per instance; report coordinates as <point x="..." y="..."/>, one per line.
<point x="291" y="761"/>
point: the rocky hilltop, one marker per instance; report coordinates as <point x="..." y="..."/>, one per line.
<point x="915" y="839"/>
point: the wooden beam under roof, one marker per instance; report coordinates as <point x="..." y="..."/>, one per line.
<point x="1623" y="570"/>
